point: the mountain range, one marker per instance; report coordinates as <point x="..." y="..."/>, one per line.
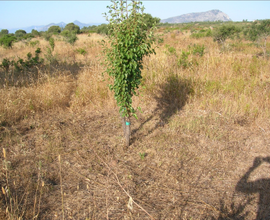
<point x="46" y="27"/>
<point x="212" y="15"/>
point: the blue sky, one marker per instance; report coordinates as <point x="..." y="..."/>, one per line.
<point x="19" y="14"/>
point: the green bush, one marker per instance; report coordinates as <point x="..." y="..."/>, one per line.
<point x="7" y="40"/>
<point x="54" y="30"/>
<point x="72" y="38"/>
<point x="5" y="64"/>
<point x="81" y="51"/>
<point x="172" y="50"/>
<point x="34" y="43"/>
<point x="65" y="33"/>
<point x="35" y="33"/>
<point x="52" y="44"/>
<point x="46" y="35"/>
<point x="150" y="21"/>
<point x="197" y="49"/>
<point x="184" y="61"/>
<point x="19" y="34"/>
<point x="209" y="33"/>
<point x="70" y="32"/>
<point x="224" y="32"/>
<point x="27" y="36"/>
<point x="257" y="30"/>
<point x="72" y="28"/>
<point x="160" y="40"/>
<point x="102" y="29"/>
<point x="4" y="32"/>
<point x="201" y="34"/>
<point x="21" y="64"/>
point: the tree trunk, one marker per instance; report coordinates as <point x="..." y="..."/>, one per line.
<point x="126" y="129"/>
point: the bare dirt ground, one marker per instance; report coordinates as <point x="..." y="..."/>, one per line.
<point x="169" y="174"/>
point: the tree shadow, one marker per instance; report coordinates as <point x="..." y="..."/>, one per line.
<point x="171" y="96"/>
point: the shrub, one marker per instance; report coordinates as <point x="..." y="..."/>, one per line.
<point x="21" y="64"/>
<point x="160" y="40"/>
<point x="172" y="50"/>
<point x="202" y="33"/>
<point x="7" y="40"/>
<point x="150" y="21"/>
<point x="35" y="33"/>
<point x="54" y="29"/>
<point x="4" y="32"/>
<point x="46" y="35"/>
<point x="209" y="33"/>
<point x="197" y="49"/>
<point x="259" y="31"/>
<point x="184" y="61"/>
<point x="52" y="44"/>
<point x="27" y="36"/>
<point x="81" y="51"/>
<point x="65" y="33"/>
<point x="34" y="43"/>
<point x="72" y="28"/>
<point x="20" y="33"/>
<point x="102" y="29"/>
<point x="224" y="32"/>
<point x="72" y="38"/>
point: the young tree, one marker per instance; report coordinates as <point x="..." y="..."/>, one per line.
<point x="129" y="42"/>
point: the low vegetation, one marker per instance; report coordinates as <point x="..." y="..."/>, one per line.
<point x="201" y="139"/>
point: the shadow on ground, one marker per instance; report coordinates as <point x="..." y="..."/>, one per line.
<point x="171" y="98"/>
<point x="240" y="210"/>
<point x="261" y="186"/>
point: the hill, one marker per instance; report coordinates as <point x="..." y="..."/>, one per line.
<point x="213" y="15"/>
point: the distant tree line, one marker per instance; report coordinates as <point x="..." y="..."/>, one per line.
<point x="69" y="33"/>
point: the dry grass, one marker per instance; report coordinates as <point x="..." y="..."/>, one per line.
<point x="200" y="130"/>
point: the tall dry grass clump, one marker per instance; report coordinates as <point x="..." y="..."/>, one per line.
<point x="231" y="84"/>
<point x="72" y="79"/>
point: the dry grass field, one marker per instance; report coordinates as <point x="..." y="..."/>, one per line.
<point x="199" y="149"/>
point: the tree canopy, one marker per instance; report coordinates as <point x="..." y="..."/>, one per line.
<point x="20" y="33"/>
<point x="54" y="29"/>
<point x="150" y="21"/>
<point x="72" y="28"/>
<point x="258" y="29"/>
<point x="4" y="32"/>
